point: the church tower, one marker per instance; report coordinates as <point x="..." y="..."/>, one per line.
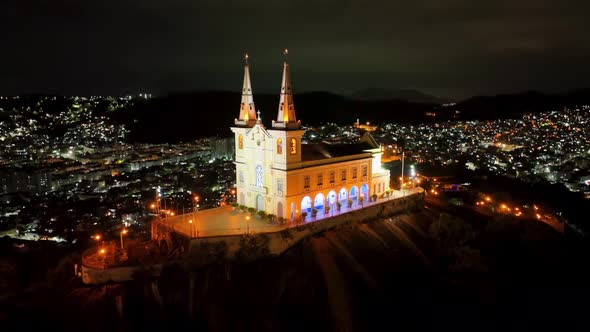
<point x="286" y="128"/>
<point x="253" y="152"/>
<point x="247" y="109"/>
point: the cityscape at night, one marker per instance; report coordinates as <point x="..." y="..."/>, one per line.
<point x="400" y="166"/>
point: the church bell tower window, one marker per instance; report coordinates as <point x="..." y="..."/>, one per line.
<point x="279" y="146"/>
<point x="293" y="146"/>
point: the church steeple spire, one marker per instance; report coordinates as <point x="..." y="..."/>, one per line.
<point x="247" y="109"/>
<point x="286" y="115"/>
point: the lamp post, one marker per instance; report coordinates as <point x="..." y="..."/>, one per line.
<point x="123" y="232"/>
<point x="98" y="239"/>
<point x="402" y="180"/>
<point x="248" y="224"/>
<point x="102" y="253"/>
<point x="191" y="227"/>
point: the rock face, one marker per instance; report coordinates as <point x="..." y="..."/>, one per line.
<point x="413" y="271"/>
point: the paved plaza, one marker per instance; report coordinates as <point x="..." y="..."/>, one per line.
<point x="226" y="220"/>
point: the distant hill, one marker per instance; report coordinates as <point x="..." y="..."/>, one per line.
<point x="187" y="116"/>
<point x="190" y="115"/>
<point x="409" y="95"/>
<point x="512" y="105"/>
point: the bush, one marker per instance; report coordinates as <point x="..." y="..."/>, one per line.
<point x="271" y="217"/>
<point x="374" y="197"/>
<point x="338" y="205"/>
<point x="314" y="212"/>
<point x="303" y="215"/>
<point x="286" y="234"/>
<point x="251" y="210"/>
<point x="242" y="207"/>
<point x="261" y="214"/>
<point x="349" y="203"/>
<point x="327" y="209"/>
<point x="234" y="204"/>
<point x="253" y="246"/>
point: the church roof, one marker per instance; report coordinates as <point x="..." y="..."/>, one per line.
<point x="319" y="151"/>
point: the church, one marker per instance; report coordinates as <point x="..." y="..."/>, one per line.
<point x="279" y="175"/>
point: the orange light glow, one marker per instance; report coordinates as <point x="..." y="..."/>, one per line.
<point x="97" y="237"/>
<point x="124" y="232"/>
<point x="102" y="251"/>
<point x="190" y="221"/>
<point x="153" y="206"/>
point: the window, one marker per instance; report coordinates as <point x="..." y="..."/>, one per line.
<point x="280" y="186"/>
<point x="240" y="142"/>
<point x="320" y="179"/>
<point x="259" y="178"/>
<point x="343" y="175"/>
<point x="306" y="181"/>
<point x="332" y="176"/>
<point x="364" y="171"/>
<point x="293" y="146"/>
<point x="241" y="177"/>
<point x="279" y="146"/>
<point x="354" y="171"/>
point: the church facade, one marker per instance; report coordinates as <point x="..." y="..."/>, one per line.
<point x="278" y="174"/>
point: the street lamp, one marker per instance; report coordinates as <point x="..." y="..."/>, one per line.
<point x="248" y="224"/>
<point x="402" y="177"/>
<point x="123" y="232"/>
<point x="97" y="238"/>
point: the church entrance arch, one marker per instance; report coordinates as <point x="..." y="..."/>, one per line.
<point x="365" y="191"/>
<point x="318" y="202"/>
<point x="306" y="204"/>
<point x="280" y="210"/>
<point x="259" y="203"/>
<point x="342" y="195"/>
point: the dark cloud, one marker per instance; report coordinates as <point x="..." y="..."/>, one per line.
<point x="453" y="47"/>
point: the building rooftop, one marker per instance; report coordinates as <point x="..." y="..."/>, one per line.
<point x="325" y="150"/>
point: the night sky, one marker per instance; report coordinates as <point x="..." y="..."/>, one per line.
<point x="452" y="48"/>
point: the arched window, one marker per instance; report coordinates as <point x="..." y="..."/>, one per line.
<point x="279" y="146"/>
<point x="240" y="142"/>
<point x="293" y="146"/>
<point x="259" y="176"/>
